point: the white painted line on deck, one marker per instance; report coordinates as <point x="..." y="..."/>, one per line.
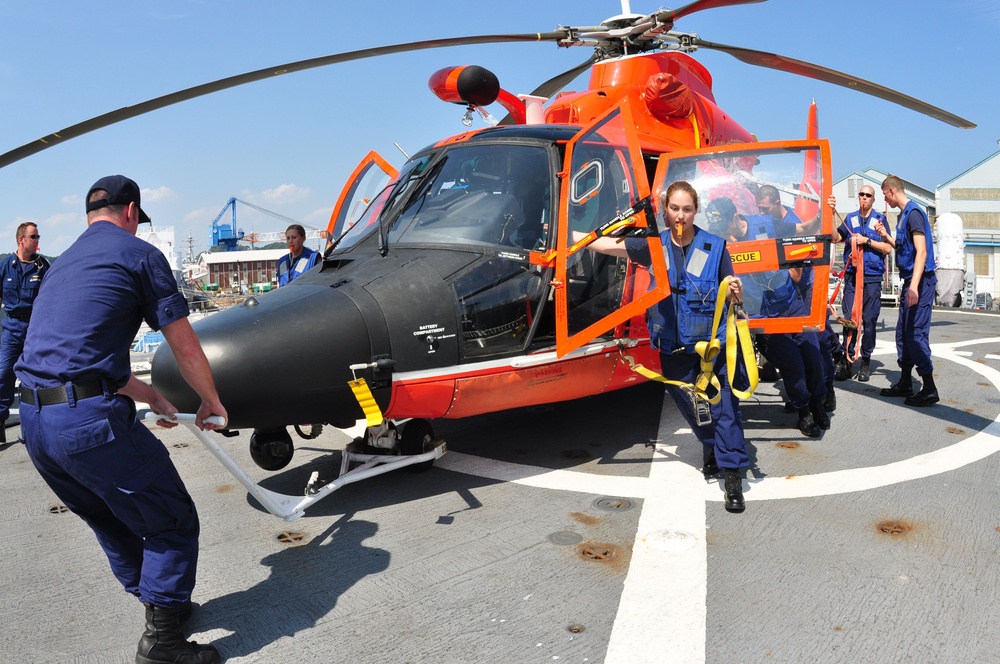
<point x="663" y="608"/>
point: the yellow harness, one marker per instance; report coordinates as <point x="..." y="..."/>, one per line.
<point x="737" y="330"/>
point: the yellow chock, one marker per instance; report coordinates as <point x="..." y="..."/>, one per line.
<point x="373" y="414"/>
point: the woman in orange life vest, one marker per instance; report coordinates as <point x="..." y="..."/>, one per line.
<point x="698" y="263"/>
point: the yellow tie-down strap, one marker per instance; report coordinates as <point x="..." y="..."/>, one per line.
<point x="737" y="329"/>
<point x="373" y="414"/>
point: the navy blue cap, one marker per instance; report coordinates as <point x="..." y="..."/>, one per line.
<point x="719" y="213"/>
<point x="121" y="191"/>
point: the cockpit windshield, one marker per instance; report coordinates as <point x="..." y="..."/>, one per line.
<point x="486" y="193"/>
<point x="390" y="195"/>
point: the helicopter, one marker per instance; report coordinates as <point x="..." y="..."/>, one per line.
<point x="461" y="283"/>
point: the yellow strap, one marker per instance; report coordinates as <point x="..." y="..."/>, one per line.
<point x="697" y="133"/>
<point x="373" y="414"/>
<point x="737" y="328"/>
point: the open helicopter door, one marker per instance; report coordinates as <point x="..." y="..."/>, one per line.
<point x="784" y="263"/>
<point x="604" y="192"/>
<point x="367" y="180"/>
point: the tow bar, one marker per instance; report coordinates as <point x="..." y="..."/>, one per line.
<point x="288" y="507"/>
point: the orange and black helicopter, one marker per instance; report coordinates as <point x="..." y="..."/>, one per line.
<point x="459" y="284"/>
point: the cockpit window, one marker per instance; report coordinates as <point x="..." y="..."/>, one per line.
<point x="480" y="194"/>
<point x="390" y="195"/>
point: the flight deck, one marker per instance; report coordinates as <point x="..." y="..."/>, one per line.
<point x="576" y="532"/>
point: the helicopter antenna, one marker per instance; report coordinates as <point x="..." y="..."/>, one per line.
<point x="401" y="150"/>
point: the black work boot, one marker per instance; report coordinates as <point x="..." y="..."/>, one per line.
<point x="904" y="388"/>
<point x="927" y="396"/>
<point x="818" y="408"/>
<point x="185" y="611"/>
<point x="807" y="425"/>
<point x="830" y="401"/>
<point x="734" y="490"/>
<point x="3" y="432"/>
<point x="163" y="643"/>
<point x="865" y="372"/>
<point x="710" y="468"/>
<point x="841" y="369"/>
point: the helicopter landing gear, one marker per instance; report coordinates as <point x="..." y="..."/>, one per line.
<point x="416" y="437"/>
<point x="271" y="450"/>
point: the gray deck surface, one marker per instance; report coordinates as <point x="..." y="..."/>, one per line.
<point x="579" y="532"/>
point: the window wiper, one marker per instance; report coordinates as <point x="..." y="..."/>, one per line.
<point x="401" y="198"/>
<point x="336" y="242"/>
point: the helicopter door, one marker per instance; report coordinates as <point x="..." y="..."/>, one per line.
<point x="604" y="191"/>
<point x="367" y="180"/>
<point x="767" y="200"/>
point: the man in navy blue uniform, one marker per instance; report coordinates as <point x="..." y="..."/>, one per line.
<point x="22" y="274"/>
<point x="915" y="260"/>
<point x="299" y="258"/>
<point x="698" y="263"/>
<point x="859" y="233"/>
<point x="775" y="294"/>
<point x="78" y="413"/>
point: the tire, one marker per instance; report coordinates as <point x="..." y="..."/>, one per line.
<point x="415" y="438"/>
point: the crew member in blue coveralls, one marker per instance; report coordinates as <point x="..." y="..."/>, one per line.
<point x="915" y="260"/>
<point x="299" y="258"/>
<point x="698" y="262"/>
<point x="78" y="413"/>
<point x="22" y="274"/>
<point x="774" y="294"/>
<point x="859" y="234"/>
<point x="769" y="202"/>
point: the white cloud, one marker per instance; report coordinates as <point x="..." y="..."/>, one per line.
<point x="203" y="215"/>
<point x="318" y="218"/>
<point x="158" y="195"/>
<point x="281" y="195"/>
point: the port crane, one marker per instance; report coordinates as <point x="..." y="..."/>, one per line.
<point x="228" y="235"/>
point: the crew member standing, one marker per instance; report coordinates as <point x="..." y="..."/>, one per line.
<point x="299" y="258"/>
<point x="859" y="234"/>
<point x="78" y="415"/>
<point x="915" y="260"/>
<point x="22" y="274"/>
<point x="698" y="264"/>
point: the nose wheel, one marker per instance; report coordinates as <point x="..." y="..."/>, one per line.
<point x="415" y="437"/>
<point x="271" y="450"/>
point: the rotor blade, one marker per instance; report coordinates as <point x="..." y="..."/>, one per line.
<point x="129" y="112"/>
<point x="557" y="83"/>
<point x="809" y="70"/>
<point x="672" y="15"/>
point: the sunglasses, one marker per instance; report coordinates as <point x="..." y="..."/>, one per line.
<point x="864" y="195"/>
<point x="33" y="237"/>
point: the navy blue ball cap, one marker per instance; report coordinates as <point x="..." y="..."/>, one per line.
<point x="121" y="191"/>
<point x="719" y="213"/>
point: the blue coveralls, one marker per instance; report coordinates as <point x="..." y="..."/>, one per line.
<point x="913" y="327"/>
<point x="871" y="305"/>
<point x="684" y="318"/>
<point x="288" y="273"/>
<point x="20" y="286"/>
<point x="797" y="355"/>
<point x="101" y="462"/>
<point x="829" y="342"/>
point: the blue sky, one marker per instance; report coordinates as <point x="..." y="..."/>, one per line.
<point x="288" y="144"/>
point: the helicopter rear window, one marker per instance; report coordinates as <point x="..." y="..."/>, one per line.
<point x="481" y="194"/>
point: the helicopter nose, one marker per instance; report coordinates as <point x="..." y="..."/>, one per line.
<point x="278" y="359"/>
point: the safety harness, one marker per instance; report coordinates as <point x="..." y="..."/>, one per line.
<point x="737" y="334"/>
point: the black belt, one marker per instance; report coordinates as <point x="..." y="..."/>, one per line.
<point x="48" y="396"/>
<point x="20" y="315"/>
